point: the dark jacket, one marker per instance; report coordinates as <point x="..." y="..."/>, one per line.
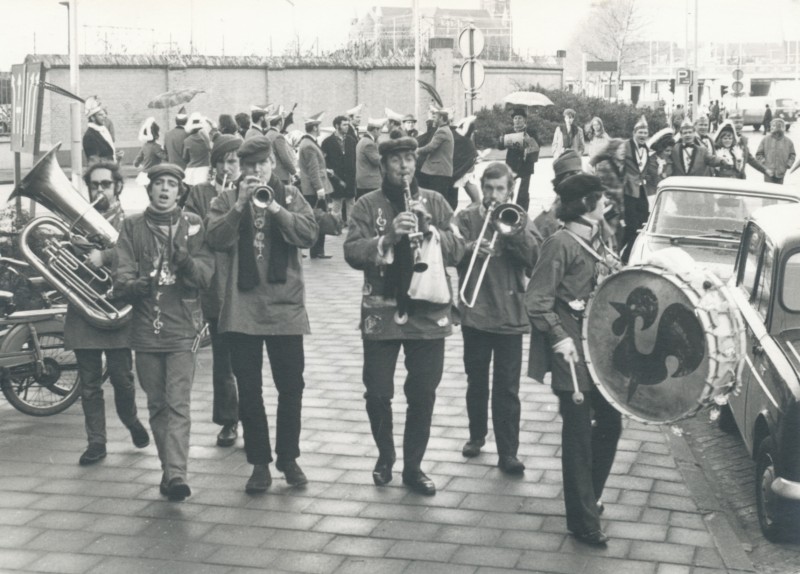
<point x="636" y="178"/>
<point x="96" y="147"/>
<point x="701" y="163"/>
<point x="368" y="164"/>
<point x="285" y="167"/>
<point x="151" y="154"/>
<point x="521" y="158"/>
<point x="196" y="150"/>
<point x="337" y="160"/>
<point x="311" y="163"/>
<point x="173" y="144"/>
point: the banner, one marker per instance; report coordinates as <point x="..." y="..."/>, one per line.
<point x="27" y="101"/>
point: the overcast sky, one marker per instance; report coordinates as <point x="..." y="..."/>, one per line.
<point x="238" y="27"/>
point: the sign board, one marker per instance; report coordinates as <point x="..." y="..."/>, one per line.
<point x="27" y="100"/>
<point x="737" y="87"/>
<point x="738" y="74"/>
<point x="471" y="42"/>
<point x="684" y="76"/>
<point x="601" y="66"/>
<point x="472" y="74"/>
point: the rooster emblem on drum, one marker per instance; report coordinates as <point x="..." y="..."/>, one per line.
<point x="678" y="335"/>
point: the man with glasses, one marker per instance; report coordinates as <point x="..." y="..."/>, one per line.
<point x="89" y="343"/>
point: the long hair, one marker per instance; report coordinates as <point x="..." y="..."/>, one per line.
<point x="572" y="210"/>
<point x="589" y="129"/>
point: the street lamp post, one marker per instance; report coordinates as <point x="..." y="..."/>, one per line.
<point x="76" y="148"/>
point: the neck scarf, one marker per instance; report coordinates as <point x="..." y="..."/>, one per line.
<point x="397" y="278"/>
<point x="103" y="131"/>
<point x="163" y="226"/>
<point x="278" y="250"/>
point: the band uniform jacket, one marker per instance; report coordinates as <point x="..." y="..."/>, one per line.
<point x="96" y="147"/>
<point x="178" y="306"/>
<point x="437" y="155"/>
<point x="371" y="216"/>
<point x="196" y="150"/>
<point x="173" y="144"/>
<point x="285" y="167"/>
<point x="700" y="163"/>
<point x="268" y="308"/>
<point x="253" y="131"/>
<point x="521" y="158"/>
<point x="368" y="164"/>
<point x="636" y="178"/>
<point x="336" y="159"/>
<point x="500" y="304"/>
<point x="311" y="164"/>
<point x="199" y="202"/>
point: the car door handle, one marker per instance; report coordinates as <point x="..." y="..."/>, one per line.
<point x="758" y="349"/>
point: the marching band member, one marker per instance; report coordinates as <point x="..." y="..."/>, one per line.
<point x="163" y="264"/>
<point x="378" y="243"/>
<point x="225" y="162"/>
<point x="497" y="321"/>
<point x="285" y="159"/>
<point x="104" y="180"/>
<point x="263" y="302"/>
<point x="571" y="263"/>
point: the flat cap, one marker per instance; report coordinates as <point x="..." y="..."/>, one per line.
<point x="224" y="143"/>
<point x="397" y="141"/>
<point x="165" y="169"/>
<point x="566" y="162"/>
<point x="578" y="186"/>
<point x="255" y="150"/>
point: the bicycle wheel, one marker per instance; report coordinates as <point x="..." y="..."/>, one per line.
<point x="54" y="390"/>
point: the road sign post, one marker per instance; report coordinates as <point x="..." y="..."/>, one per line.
<point x="471" y="43"/>
<point x="737" y="85"/>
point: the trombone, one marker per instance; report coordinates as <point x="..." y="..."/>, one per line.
<point x="507" y="219"/>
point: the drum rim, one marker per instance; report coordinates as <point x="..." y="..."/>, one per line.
<point x="691" y="294"/>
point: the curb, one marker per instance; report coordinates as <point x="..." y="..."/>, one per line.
<point x="729" y="538"/>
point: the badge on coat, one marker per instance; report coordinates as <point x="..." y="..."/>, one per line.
<point x="372" y="324"/>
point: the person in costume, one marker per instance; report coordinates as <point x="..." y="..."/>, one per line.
<point x="314" y="182"/>
<point x="173" y="139"/>
<point x="436" y="157"/>
<point x="197" y="150"/>
<point x="522" y="153"/>
<point x="690" y="157"/>
<point x="285" y="158"/>
<point x="729" y="150"/>
<point x="151" y="152"/>
<point x="368" y="160"/>
<point x="98" y="140"/>
<point x="638" y="183"/>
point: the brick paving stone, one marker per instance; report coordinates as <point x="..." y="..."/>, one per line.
<point x="690" y="537"/>
<point x="176" y="528"/>
<point x="335" y="507"/>
<point x="313" y="563"/>
<point x="62" y="502"/>
<point x="521" y="522"/>
<point x="65" y="563"/>
<point x="237" y="556"/>
<point x="152" y="566"/>
<point x="419" y="550"/>
<point x="119" y="524"/>
<point x="483" y="556"/>
<point x="13" y="499"/>
<point x="687" y="520"/>
<point x="468" y="535"/>
<point x="358" y="546"/>
<point x="301" y="541"/>
<point x="709" y="558"/>
<point x="16" y="558"/>
<point x="372" y="566"/>
<point x="494" y="503"/>
<point x="675" y="488"/>
<point x="634" y="498"/>
<point x="438" y="568"/>
<point x="119" y="545"/>
<point x="662" y="552"/>
<point x="536" y="561"/>
<point x="19" y="516"/>
<point x="346" y="525"/>
<point x="240" y="516"/>
<point x="603" y="565"/>
<point x="654" y="515"/>
<point x="658" y="472"/>
<point x="178" y="549"/>
<point x="637" y="531"/>
<point x="394" y="511"/>
<point x="538" y="506"/>
<point x="62" y="520"/>
<point x="62" y="541"/>
<point x="530" y="540"/>
<point x="630" y="482"/>
<point x="671" y="502"/>
<point x="452" y="516"/>
<point x="616" y="548"/>
<point x="405" y="530"/>
<point x="621" y="511"/>
<point x="663" y="460"/>
<point x="226" y="534"/>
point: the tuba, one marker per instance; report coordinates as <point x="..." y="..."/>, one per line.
<point x="58" y="260"/>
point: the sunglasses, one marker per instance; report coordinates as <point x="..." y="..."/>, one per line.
<point x="105" y="184"/>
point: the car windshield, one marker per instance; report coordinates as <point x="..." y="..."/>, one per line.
<point x="791" y="279"/>
<point x="705" y="215"/>
<point x="785" y="103"/>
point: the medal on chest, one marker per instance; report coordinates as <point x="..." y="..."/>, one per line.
<point x="258" y="242"/>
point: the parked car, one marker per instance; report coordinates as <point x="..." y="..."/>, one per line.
<point x="766" y="290"/>
<point x="752" y="109"/>
<point x="704" y="216"/>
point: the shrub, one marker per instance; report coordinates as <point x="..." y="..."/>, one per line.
<point x="618" y="118"/>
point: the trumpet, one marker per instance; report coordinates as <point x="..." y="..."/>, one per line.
<point x="507" y="219"/>
<point x="262" y="196"/>
<point x="415" y="237"/>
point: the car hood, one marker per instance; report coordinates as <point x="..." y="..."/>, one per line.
<point x="718" y="257"/>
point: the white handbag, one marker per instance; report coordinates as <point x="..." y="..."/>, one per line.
<point x="431" y="285"/>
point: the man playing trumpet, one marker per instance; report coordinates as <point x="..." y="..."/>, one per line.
<point x="492" y="307"/>
<point x="378" y="243"/>
<point x="259" y="226"/>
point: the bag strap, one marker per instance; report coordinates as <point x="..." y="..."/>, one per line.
<point x="589" y="249"/>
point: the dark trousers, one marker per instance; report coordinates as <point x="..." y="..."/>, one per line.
<point x="287" y="361"/>
<point x="319" y="247"/>
<point x="424" y="362"/>
<point x="440" y="183"/>
<point x="637" y="210"/>
<point x="772" y="179"/>
<point x="479" y="346"/>
<point x="587" y="453"/>
<point x="120" y="370"/>
<point x="226" y="399"/>
<point x="523" y="195"/>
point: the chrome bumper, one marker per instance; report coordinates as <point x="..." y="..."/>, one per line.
<point x="786" y="488"/>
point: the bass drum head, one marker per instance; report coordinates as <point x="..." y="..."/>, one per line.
<point x="645" y="346"/>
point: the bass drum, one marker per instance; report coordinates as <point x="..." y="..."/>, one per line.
<point x="661" y="345"/>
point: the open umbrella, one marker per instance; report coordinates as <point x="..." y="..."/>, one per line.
<point x="527" y="99"/>
<point x="173" y="98"/>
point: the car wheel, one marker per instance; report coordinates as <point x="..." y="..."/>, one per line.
<point x="776" y="515"/>
<point x="726" y="422"/>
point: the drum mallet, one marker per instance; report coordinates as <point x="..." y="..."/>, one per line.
<point x="577" y="396"/>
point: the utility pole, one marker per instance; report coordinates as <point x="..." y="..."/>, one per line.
<point x="76" y="145"/>
<point x="696" y="74"/>
<point x="415" y="13"/>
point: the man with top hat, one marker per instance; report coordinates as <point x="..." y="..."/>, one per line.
<point x="379" y="242"/>
<point x="285" y="160"/>
<point x="689" y="156"/>
<point x="314" y="182"/>
<point x="263" y="303"/>
<point x="571" y="264"/>
<point x="163" y="265"/>
<point x="436" y="157"/>
<point x="343" y="167"/>
<point x="410" y="125"/>
<point x="522" y="154"/>
<point x="98" y="141"/>
<point x="494" y="324"/>
<point x="225" y="163"/>
<point x="104" y="181"/>
<point x="173" y="139"/>
<point x="368" y="160"/>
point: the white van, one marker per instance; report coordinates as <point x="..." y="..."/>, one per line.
<point x="753" y="108"/>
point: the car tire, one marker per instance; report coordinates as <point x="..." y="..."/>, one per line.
<point x="777" y="517"/>
<point x="726" y="422"/>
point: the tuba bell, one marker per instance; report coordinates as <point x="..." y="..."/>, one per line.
<point x="56" y="259"/>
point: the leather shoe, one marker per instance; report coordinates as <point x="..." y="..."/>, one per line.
<point x="510" y="464"/>
<point x="139" y="435"/>
<point x="419" y="483"/>
<point x="473" y="448"/>
<point x="382" y="473"/>
<point x="292" y="471"/>
<point x="95" y="453"/>
<point x="592" y="537"/>
<point x="162" y="487"/>
<point x="227" y="436"/>
<point x="260" y="480"/>
<point x="178" y="490"/>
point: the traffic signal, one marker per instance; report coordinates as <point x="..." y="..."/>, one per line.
<point x="723" y="90"/>
<point x="672" y="85"/>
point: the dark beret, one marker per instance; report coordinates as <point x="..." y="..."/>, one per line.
<point x="165" y="169"/>
<point x="255" y="150"/>
<point x="578" y="186"/>
<point x="397" y="141"/>
<point x="224" y="143"/>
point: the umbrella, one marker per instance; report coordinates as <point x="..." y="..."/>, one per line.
<point x="527" y="99"/>
<point x="173" y="98"/>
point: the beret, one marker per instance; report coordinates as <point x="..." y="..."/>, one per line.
<point x="566" y="162"/>
<point x="397" y="141"/>
<point x="578" y="186"/>
<point x="224" y="143"/>
<point x="255" y="149"/>
<point x="165" y="169"/>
